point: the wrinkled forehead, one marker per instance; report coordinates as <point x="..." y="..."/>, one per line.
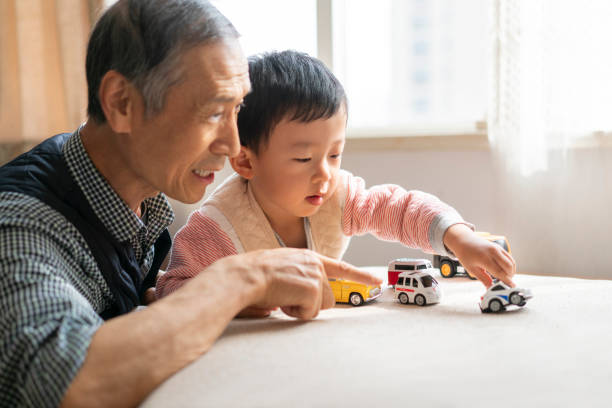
<point x="218" y="70"/>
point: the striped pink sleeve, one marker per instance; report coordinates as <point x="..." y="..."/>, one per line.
<point x="393" y="214"/>
<point x="198" y="244"/>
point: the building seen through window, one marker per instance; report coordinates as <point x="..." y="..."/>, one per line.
<point x="415" y="63"/>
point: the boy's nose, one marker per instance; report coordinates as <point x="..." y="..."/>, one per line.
<point x="323" y="172"/>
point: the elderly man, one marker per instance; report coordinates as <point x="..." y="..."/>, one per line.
<point x="83" y="219"/>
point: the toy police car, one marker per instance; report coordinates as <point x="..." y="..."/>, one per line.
<point x="500" y="295"/>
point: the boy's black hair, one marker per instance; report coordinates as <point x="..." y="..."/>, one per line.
<point x="286" y="85"/>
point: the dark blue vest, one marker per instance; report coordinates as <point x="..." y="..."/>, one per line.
<point x="42" y="173"/>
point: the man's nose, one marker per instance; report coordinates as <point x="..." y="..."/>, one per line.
<point x="227" y="142"/>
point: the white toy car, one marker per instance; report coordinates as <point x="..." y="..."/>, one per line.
<point x="500" y="295"/>
<point x="417" y="287"/>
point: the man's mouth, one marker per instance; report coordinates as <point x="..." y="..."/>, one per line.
<point x="205" y="176"/>
<point x="203" y="173"/>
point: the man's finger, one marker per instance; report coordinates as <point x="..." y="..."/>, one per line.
<point x="254" y="312"/>
<point x="328" y="299"/>
<point x="344" y="270"/>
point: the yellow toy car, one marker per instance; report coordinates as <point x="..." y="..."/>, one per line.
<point x="450" y="267"/>
<point x="352" y="292"/>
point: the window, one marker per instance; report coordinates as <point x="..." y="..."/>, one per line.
<point x="416" y="65"/>
<point x="404" y="267"/>
<point x="400" y="281"/>
<point x="428" y="281"/>
<point x="422" y="267"/>
<point x="421" y="61"/>
<point x="415" y="283"/>
<point x="275" y="26"/>
<point x="498" y="287"/>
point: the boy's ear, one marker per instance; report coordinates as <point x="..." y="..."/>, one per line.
<point x="116" y="99"/>
<point x="243" y="163"/>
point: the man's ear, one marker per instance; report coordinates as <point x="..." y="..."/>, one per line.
<point x="243" y="163"/>
<point x="115" y="94"/>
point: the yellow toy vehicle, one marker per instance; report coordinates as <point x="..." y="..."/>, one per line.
<point x="450" y="267"/>
<point x="352" y="292"/>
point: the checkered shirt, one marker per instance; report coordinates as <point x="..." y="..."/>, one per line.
<point x="51" y="289"/>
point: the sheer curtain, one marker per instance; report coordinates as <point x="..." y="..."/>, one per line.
<point x="551" y="81"/>
<point x="42" y="69"/>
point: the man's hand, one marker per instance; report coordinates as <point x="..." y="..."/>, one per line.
<point x="479" y="256"/>
<point x="154" y="343"/>
<point x="252" y="312"/>
<point x="293" y="279"/>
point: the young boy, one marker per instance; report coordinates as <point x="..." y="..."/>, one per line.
<point x="289" y="190"/>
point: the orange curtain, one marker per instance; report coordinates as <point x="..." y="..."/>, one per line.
<point x="42" y="67"/>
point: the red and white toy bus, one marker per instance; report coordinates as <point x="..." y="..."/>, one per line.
<point x="400" y="265"/>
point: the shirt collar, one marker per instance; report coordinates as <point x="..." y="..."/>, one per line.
<point x="114" y="213"/>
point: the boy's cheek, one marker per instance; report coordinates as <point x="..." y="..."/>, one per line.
<point x="333" y="185"/>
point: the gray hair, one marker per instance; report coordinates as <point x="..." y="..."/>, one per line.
<point x="144" y="40"/>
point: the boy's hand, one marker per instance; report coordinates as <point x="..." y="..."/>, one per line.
<point x="479" y="256"/>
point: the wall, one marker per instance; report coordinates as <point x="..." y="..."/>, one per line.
<point x="557" y="222"/>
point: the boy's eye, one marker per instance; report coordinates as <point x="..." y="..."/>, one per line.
<point x="304" y="160"/>
<point x="239" y="106"/>
<point x="336" y="156"/>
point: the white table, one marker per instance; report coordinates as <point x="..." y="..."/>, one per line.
<point x="555" y="352"/>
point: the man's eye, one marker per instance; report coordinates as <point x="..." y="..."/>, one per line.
<point x="302" y="160"/>
<point x="215" y="117"/>
<point x="239" y="106"/>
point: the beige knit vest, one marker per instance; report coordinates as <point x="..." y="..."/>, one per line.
<point x="235" y="202"/>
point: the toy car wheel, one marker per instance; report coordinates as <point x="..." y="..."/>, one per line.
<point x="447" y="269"/>
<point x="495" y="306"/>
<point x="516" y="299"/>
<point x="420" y="300"/>
<point x="355" y="299"/>
<point x="403" y="298"/>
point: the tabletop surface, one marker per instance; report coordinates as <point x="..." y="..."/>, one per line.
<point x="556" y="351"/>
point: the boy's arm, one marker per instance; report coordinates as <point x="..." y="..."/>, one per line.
<point x="197" y="245"/>
<point x="421" y="220"/>
<point x="414" y="218"/>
